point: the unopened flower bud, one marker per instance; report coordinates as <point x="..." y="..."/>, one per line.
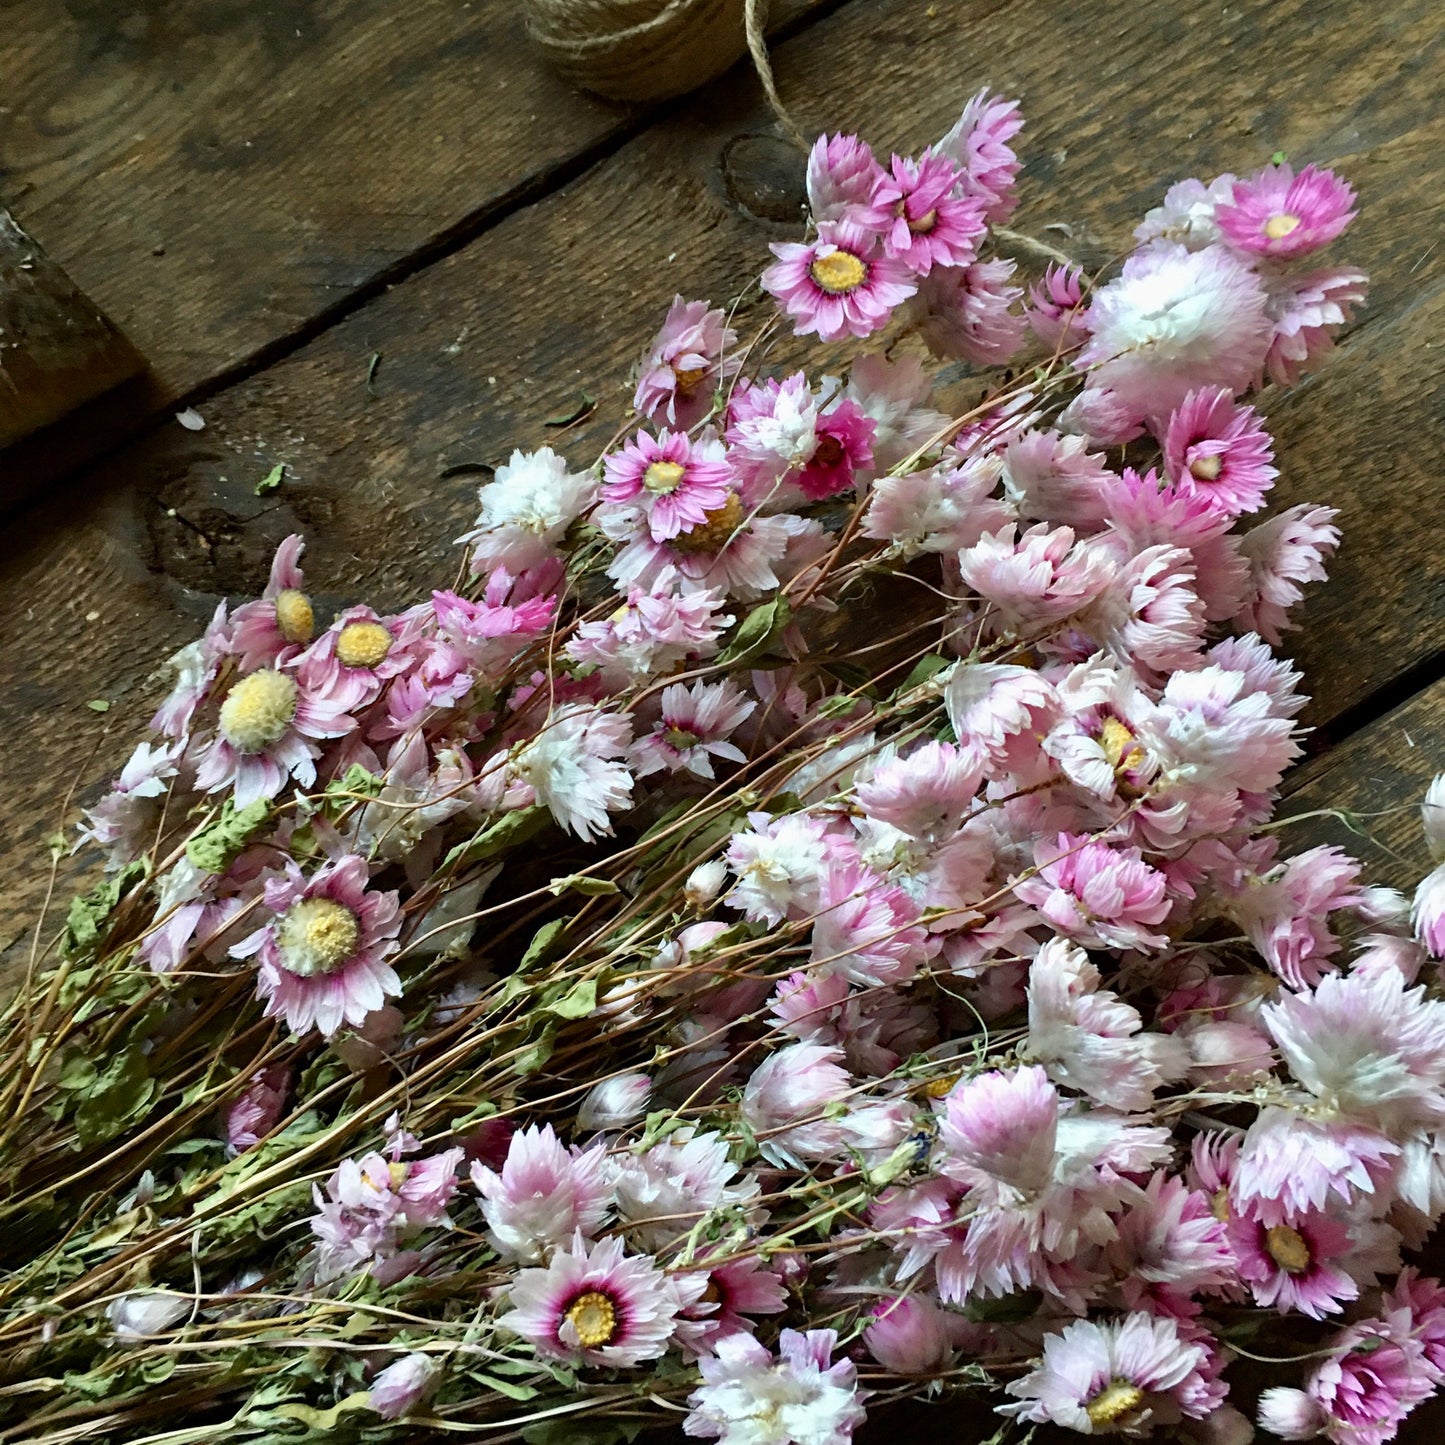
<point x="615" y="1103"/>
<point x="138" y="1316"/>
<point x="401" y="1385"/>
<point x="705" y="882"/>
<point x="908" y="1334"/>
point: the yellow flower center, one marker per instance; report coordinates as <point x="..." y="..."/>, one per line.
<point x="317" y="936"/>
<point x="594" y="1318"/>
<point x="258" y="710"/>
<point x="1288" y="1249"/>
<point x="363" y="644"/>
<point x="838" y="271"/>
<point x="396" y="1172"/>
<point x="1119" y="746"/>
<point x="1219" y="1205"/>
<point x="1206" y="469"/>
<point x="1117" y="1399"/>
<point x="663" y="477"/>
<point x="924" y="223"/>
<point x="942" y="1086"/>
<point x="1280" y="226"/>
<point x="294" y="617"/>
<point x="713" y="534"/>
<point x="689" y="380"/>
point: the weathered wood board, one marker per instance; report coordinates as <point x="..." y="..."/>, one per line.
<point x="476" y="350"/>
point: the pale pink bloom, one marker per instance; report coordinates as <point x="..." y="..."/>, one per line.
<point x="1284" y="553"/>
<point x="664" y="1191"/>
<point x="866" y="929"/>
<point x="526" y="510"/>
<point x="654" y="630"/>
<point x="268" y="731"/>
<point x="685" y="365"/>
<point x="837" y="285"/>
<point x="1306" y="311"/>
<point x="259" y="1109"/>
<point x="1227" y="1054"/>
<point x="1150" y="614"/>
<point x="927" y="794"/>
<point x="978" y="145"/>
<point x="1088" y="1038"/>
<point x="491" y="631"/>
<point x="594" y="1305"/>
<point x="732" y="1292"/>
<point x="1291" y="1266"/>
<point x="1170" y="1246"/>
<point x="798" y="1397"/>
<point x="1424" y="1298"/>
<point x="1285" y="911"/>
<point x="1291" y="1164"/>
<point x="991" y="705"/>
<point x="909" y="1335"/>
<point x="694" y="728"/>
<point x="1368" y="1048"/>
<point x="545" y="1195"/>
<point x="923" y="217"/>
<point x="275" y="627"/>
<point x="1174" y="320"/>
<point x="1282" y="215"/>
<point x="786" y="1099"/>
<point x="1427" y="912"/>
<point x="968" y="312"/>
<point x="841" y="177"/>
<point x="1055" y="311"/>
<point x="1036" y="579"/>
<point x="1052" y="477"/>
<point x="1113" y="1378"/>
<point x="1219" y="451"/>
<point x="1098" y="895"/>
<point x="196" y="666"/>
<point x="777" y="863"/>
<point x="892" y="395"/>
<point x="943" y="508"/>
<point x="1291" y="1414"/>
<point x="573" y="765"/>
<point x="124" y="821"/>
<point x="323" y="957"/>
<point x="675" y="484"/>
<point x="401" y="1385"/>
<point x="1188" y="213"/>
<point x="614" y="1103"/>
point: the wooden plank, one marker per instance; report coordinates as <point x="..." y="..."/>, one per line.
<point x="479" y="349"/>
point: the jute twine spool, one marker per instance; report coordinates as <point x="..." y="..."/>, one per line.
<point x="652" y="49"/>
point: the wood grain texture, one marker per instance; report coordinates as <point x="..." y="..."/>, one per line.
<point x="478" y="349"/>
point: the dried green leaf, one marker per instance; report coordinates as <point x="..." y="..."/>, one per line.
<point x="221" y="842"/>
<point x="757" y="631"/>
<point x="99" y="704"/>
<point x="271" y="482"/>
<point x="579" y="1002"/>
<point x="541" y="944"/>
<point x="510" y="830"/>
<point x="583" y="884"/>
<point x="586" y="405"/>
<point x="85" y="924"/>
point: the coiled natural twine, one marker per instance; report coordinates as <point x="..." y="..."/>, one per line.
<point x="652" y="49"/>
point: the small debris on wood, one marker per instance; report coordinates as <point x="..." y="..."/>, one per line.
<point x="584" y="408"/>
<point x="271" y="482"/>
<point x="191" y="419"/>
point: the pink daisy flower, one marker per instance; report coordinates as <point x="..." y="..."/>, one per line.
<point x="259" y="1109"/>
<point x="838" y="284"/>
<point x="1291" y="1266"/>
<point x="1219" y="451"/>
<point x="353" y="660"/>
<point x="750" y="1397"/>
<point x="1282" y="215"/>
<point x="666" y="1190"/>
<point x="196" y="666"/>
<point x="594" y="1305"/>
<point x="545" y="1196"/>
<point x="925" y="220"/>
<point x="1056" y="311"/>
<point x="694" y="729"/>
<point x="280" y="623"/>
<point x="1284" y="554"/>
<point x="866" y="930"/>
<point x="978" y="145"/>
<point x="941" y="509"/>
<point x="1170" y="1246"/>
<point x="1306" y="312"/>
<point x="1098" y="895"/>
<point x="490" y="631"/>
<point x="967" y="312"/>
<point x="676" y="485"/>
<point x="267" y="731"/>
<point x="124" y="821"/>
<point x="841" y="177"/>
<point x="685" y="365"/>
<point x="732" y="1292"/>
<point x="322" y="958"/>
<point x="1107" y="1378"/>
<point x="778" y="863"/>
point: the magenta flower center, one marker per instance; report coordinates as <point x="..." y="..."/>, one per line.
<point x="1117" y="1399"/>
<point x="1288" y="1248"/>
<point x="362" y="644"/>
<point x="1281" y="225"/>
<point x="829" y="452"/>
<point x="838" y="271"/>
<point x="294" y="618"/>
<point x="594" y="1319"/>
<point x="663" y="477"/>
<point x="258" y="710"/>
<point x="317" y="936"/>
